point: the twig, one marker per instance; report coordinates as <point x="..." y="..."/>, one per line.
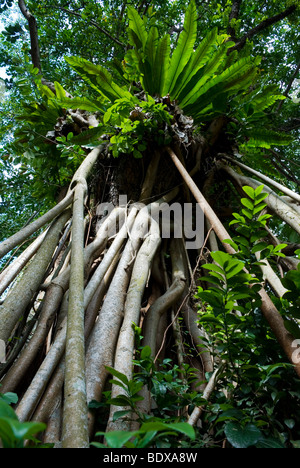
<point x="263" y="25"/>
<point x="289" y="85"/>
<point x="93" y="23"/>
<point x="206" y="395"/>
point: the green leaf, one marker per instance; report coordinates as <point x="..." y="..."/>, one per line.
<point x="214" y="278"/>
<point x="121" y="400"/>
<point x="249" y="191"/>
<point x="236" y="77"/>
<point x="293" y="328"/>
<point x="46" y="91"/>
<point x="9" y="397"/>
<point x="6" y="411"/>
<point x="161" y="67"/>
<point x="290" y="423"/>
<point x="259" y="207"/>
<point x="234" y="268"/>
<point x="198" y="81"/>
<point x="220" y="257"/>
<point x="184" y="49"/>
<point x="120" y="414"/>
<point x="279" y="247"/>
<point x="97" y="77"/>
<point x="146" y="352"/>
<point x="266" y="138"/>
<point x="137" y="154"/>
<point x="263" y="218"/>
<point x="136" y="26"/>
<point x="247" y="203"/>
<point x="237" y="296"/>
<point x="13" y="432"/>
<point x="258" y="191"/>
<point x="230" y="414"/>
<point x="264" y="98"/>
<point x="211" y="297"/>
<point x="259" y="197"/>
<point x="213" y="267"/>
<point x="197" y="61"/>
<point x="147" y="439"/>
<point x="117" y="374"/>
<point x="259" y="247"/>
<point x="209" y="318"/>
<point x="25" y="430"/>
<point x="60" y="92"/>
<point x="232" y="243"/>
<point x="242" y="436"/>
<point x="269" y="442"/>
<point x="98" y="444"/>
<point x="247" y="213"/>
<point x="151" y="48"/>
<point x="82" y="103"/>
<point x="117" y="439"/>
<point x="183" y="428"/>
<point x="6" y="433"/>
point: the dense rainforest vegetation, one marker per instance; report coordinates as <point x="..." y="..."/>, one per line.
<point x="150" y="223"/>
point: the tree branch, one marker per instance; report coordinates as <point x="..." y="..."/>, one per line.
<point x="93" y="23"/>
<point x="33" y="30"/>
<point x="234" y="14"/>
<point x="263" y="25"/>
<point x="293" y="77"/>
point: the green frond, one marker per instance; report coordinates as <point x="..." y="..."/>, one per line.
<point x="151" y="46"/>
<point x="184" y="49"/>
<point x="149" y="62"/>
<point x="145" y="48"/>
<point x="197" y="60"/>
<point x="161" y="68"/>
<point x="202" y="76"/>
<point x="97" y="77"/>
<point x="217" y="90"/>
<point x="261" y="99"/>
<point x="59" y="90"/>
<point x="265" y="138"/>
<point x="88" y="136"/>
<point x="82" y="103"/>
<point x="137" y="32"/>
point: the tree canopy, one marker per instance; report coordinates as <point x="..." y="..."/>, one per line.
<point x="98" y="33"/>
<point x="192" y="103"/>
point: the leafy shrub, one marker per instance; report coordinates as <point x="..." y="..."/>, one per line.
<point x="251" y="410"/>
<point x="14" y="433"/>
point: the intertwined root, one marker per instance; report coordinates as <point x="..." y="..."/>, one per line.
<point x="70" y="313"/>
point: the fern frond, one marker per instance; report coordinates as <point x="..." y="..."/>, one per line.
<point x="97" y="77"/>
<point x="149" y="61"/>
<point x="82" y="103"/>
<point x="197" y="60"/>
<point x="137" y="32"/>
<point x="202" y="76"/>
<point x="236" y="77"/>
<point x="161" y="68"/>
<point x="265" y="138"/>
<point x="184" y="49"/>
<point x="262" y="99"/>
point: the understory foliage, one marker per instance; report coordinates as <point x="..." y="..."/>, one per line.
<point x="116" y="334"/>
